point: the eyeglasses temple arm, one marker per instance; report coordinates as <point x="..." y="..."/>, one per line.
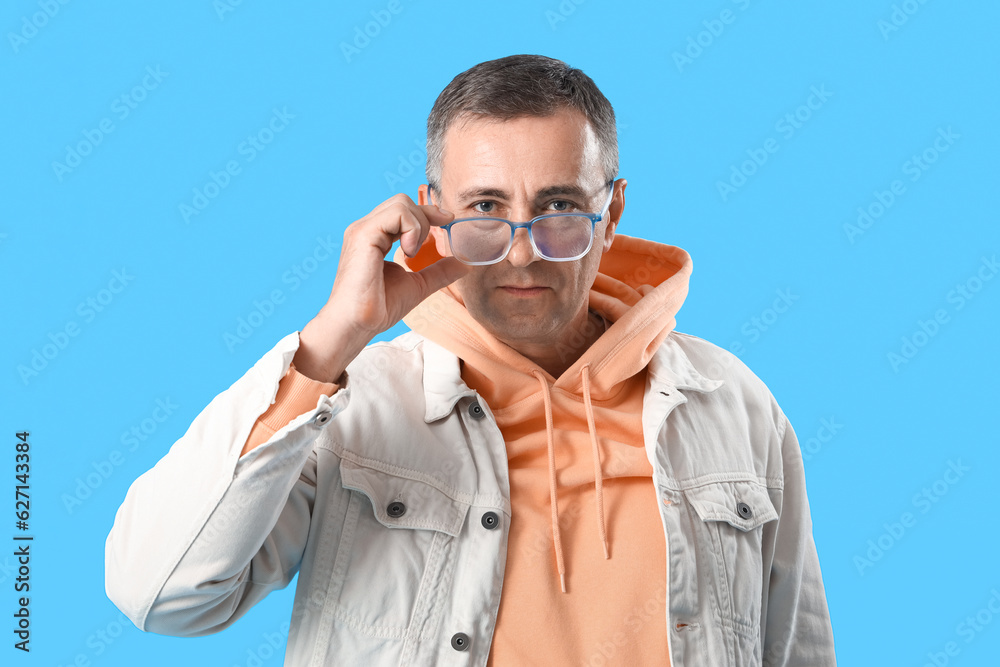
<point x="608" y="202"/>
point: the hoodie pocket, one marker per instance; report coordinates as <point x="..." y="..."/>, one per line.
<point x="397" y="550"/>
<point x="732" y="517"/>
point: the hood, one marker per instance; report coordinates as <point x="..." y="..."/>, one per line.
<point x="639" y="288"/>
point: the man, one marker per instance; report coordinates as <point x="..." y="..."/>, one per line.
<point x="542" y="472"/>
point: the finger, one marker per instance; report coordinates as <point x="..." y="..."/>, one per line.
<point x="429" y="209"/>
<point x="394" y="223"/>
<point x="412" y="238"/>
<point x="413" y="229"/>
<point x="436" y="215"/>
<point x="395" y="199"/>
<point x="399" y="218"/>
<point x="440" y="274"/>
<point x="407" y="289"/>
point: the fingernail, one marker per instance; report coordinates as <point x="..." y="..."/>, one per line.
<point x="445" y="211"/>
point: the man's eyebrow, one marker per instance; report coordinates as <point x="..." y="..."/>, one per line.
<point x="562" y="189"/>
<point x="569" y="189"/>
<point x="474" y="192"/>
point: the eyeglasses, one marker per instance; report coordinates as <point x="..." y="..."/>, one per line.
<point x="556" y="237"/>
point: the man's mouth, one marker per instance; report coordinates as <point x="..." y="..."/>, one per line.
<point x="523" y="291"/>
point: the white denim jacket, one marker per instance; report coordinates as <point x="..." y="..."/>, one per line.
<point x="391" y="500"/>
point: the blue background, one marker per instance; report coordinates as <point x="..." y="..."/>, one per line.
<point x="355" y="137"/>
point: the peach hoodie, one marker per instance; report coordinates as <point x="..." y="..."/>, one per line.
<point x="576" y="458"/>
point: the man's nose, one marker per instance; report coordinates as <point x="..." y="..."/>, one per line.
<point x="521" y="253"/>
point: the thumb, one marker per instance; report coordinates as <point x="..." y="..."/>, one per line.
<point x="441" y="273"/>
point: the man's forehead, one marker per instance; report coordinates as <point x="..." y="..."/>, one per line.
<point x="470" y="121"/>
<point x="490" y="131"/>
<point x="542" y="192"/>
<point x="555" y="154"/>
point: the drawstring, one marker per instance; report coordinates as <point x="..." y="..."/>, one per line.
<point x="552" y="480"/>
<point x="598" y="473"/>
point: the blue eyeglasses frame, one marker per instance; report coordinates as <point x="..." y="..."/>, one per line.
<point x="514" y="226"/>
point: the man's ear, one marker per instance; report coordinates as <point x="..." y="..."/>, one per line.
<point x="440" y="238"/>
<point x="615" y="210"/>
<point x="422" y="197"/>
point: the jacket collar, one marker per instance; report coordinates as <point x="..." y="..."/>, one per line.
<point x="671" y="367"/>
<point x="443" y="385"/>
<point x="668" y="370"/>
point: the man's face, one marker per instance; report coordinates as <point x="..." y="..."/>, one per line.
<point x="520" y="169"/>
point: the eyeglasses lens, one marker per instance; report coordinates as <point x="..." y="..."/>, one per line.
<point x="486" y="240"/>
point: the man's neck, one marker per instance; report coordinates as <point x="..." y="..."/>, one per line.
<point x="554" y="358"/>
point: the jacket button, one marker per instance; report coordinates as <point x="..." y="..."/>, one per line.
<point x="490" y="520"/>
<point x="321" y="418"/>
<point x="396" y="509"/>
<point x="744" y="510"/>
<point x="460" y="641"/>
<point x="476" y="410"/>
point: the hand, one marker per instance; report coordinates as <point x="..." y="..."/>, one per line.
<point x="369" y="294"/>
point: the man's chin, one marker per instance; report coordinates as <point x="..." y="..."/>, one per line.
<point x="515" y="329"/>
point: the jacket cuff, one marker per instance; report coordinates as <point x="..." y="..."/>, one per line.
<point x="297" y="394"/>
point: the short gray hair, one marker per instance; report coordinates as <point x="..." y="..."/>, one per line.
<point x="518" y="86"/>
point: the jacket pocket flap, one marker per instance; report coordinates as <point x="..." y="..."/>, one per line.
<point x="404" y="502"/>
<point x="744" y="505"/>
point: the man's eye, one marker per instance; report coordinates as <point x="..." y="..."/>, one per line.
<point x="487" y="207"/>
<point x="561" y="205"/>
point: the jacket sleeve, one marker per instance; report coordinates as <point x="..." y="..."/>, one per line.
<point x="296" y="394"/>
<point x="795" y="623"/>
<point x="206" y="533"/>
